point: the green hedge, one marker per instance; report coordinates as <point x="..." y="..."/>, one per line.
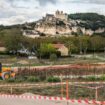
<point x="94" y="78"/>
<point x="53" y="79"/>
<point x="33" y="79"/>
<point x="23" y="79"/>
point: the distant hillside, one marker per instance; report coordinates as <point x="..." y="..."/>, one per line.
<point x="7" y="30"/>
<point x="92" y="21"/>
<point x="77" y="24"/>
<point x="87" y="16"/>
<point x="14" y="29"/>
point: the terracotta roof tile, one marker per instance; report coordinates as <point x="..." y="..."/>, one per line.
<point x="58" y="45"/>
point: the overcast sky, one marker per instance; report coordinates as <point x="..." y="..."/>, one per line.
<point x="20" y="11"/>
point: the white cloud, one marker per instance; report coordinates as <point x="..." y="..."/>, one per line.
<point x="97" y="1"/>
<point x="19" y="11"/>
<point x="13" y="20"/>
<point x="44" y="2"/>
<point x="86" y="1"/>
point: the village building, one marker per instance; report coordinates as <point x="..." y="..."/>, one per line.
<point x="58" y="15"/>
<point x="28" y="31"/>
<point x="49" y="17"/>
<point x="2" y="48"/>
<point x="62" y="49"/>
<point x="31" y="33"/>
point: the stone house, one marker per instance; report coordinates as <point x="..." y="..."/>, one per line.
<point x="2" y="48"/>
<point x="49" y="17"/>
<point x="62" y="49"/>
<point x="31" y="33"/>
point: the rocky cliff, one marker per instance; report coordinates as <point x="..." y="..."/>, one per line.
<point x="77" y="24"/>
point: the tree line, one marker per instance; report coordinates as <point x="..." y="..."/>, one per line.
<point x="93" y="21"/>
<point x="76" y="44"/>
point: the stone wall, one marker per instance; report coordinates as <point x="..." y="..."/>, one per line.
<point x="2" y="49"/>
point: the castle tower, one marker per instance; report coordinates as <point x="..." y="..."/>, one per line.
<point x="61" y="15"/>
<point x="57" y="12"/>
<point x="61" y="12"/>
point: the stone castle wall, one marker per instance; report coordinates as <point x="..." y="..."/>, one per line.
<point x="61" y="15"/>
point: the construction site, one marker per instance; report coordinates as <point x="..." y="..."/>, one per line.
<point x="73" y="83"/>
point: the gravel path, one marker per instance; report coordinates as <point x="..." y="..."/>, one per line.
<point x="18" y="101"/>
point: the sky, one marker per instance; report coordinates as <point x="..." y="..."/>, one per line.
<point x="21" y="11"/>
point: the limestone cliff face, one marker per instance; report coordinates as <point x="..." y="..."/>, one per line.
<point x="47" y="30"/>
<point x="53" y="27"/>
<point x="60" y="23"/>
<point x="57" y="26"/>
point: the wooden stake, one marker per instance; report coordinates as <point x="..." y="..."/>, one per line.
<point x="67" y="89"/>
<point x="96" y="94"/>
<point x="11" y="90"/>
<point x="61" y="88"/>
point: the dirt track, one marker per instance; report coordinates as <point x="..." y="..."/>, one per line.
<point x="64" y="70"/>
<point x="78" y="66"/>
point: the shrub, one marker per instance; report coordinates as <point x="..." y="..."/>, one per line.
<point x="56" y="79"/>
<point x="33" y="79"/>
<point x="50" y="79"/>
<point x="91" y="78"/>
<point x="102" y="77"/>
<point x="11" y="80"/>
<point x="53" y="57"/>
<point x="53" y="79"/>
<point x="19" y="80"/>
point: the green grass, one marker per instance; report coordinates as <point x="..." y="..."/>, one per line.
<point x="13" y="61"/>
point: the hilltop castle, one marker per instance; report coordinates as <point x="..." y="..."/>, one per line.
<point x="58" y="15"/>
<point x="59" y="24"/>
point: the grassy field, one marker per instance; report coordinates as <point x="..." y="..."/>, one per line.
<point x="18" y="61"/>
